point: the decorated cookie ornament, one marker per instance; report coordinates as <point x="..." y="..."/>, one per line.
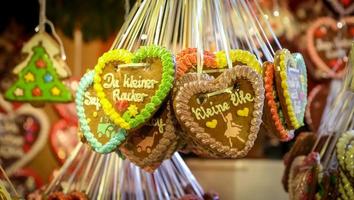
<point x="328" y="44"/>
<point x="303" y="177"/>
<point x="23" y="134"/>
<point x="40" y="73"/>
<point x="63" y="139"/>
<point x="345" y="154"/>
<point x="273" y="115"/>
<point x="131" y="87"/>
<point x="291" y="86"/>
<point x="238" y="57"/>
<point x="342" y="7"/>
<point x="155" y="141"/>
<point x="302" y="146"/>
<point x="316" y="104"/>
<point x="101" y="134"/>
<point x="223" y="115"/>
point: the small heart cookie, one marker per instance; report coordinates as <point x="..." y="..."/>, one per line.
<point x="200" y="101"/>
<point x="291" y="86"/>
<point x="102" y="135"/>
<point x="143" y="79"/>
<point x="328" y="45"/>
<point x="153" y="142"/>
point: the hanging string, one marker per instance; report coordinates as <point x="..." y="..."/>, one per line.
<point x="42" y="17"/>
<point x="9" y="182"/>
<point x="199" y="5"/>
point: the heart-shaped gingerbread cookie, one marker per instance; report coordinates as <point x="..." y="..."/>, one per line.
<point x="273" y="116"/>
<point x="152" y="142"/>
<point x="63" y="139"/>
<point x="345" y="153"/>
<point x="328" y="44"/>
<point x="200" y="102"/>
<point x="102" y="135"/>
<point x="139" y="82"/>
<point x="291" y="86"/>
<point x="23" y="134"/>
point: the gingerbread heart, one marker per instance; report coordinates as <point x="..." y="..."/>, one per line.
<point x="328" y="45"/>
<point x="343" y="7"/>
<point x="23" y="134"/>
<point x="273" y="114"/>
<point x="143" y="80"/>
<point x="317" y="101"/>
<point x="102" y="135"/>
<point x="25" y="181"/>
<point x="303" y="177"/>
<point x="153" y="142"/>
<point x="201" y="101"/>
<point x="63" y="139"/>
<point x="291" y="86"/>
<point x="345" y="153"/>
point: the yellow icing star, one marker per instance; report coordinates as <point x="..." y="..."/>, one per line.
<point x="18" y="92"/>
<point x="55" y="91"/>
<point x="29" y="77"/>
<point x="133" y="110"/>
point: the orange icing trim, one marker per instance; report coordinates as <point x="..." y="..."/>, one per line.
<point x="283" y="134"/>
<point x="187" y="59"/>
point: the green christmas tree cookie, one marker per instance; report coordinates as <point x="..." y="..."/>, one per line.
<point x="38" y="78"/>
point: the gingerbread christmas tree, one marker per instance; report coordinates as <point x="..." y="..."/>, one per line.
<point x="38" y="79"/>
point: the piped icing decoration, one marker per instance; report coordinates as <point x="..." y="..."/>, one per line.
<point x="239" y="56"/>
<point x="144" y="79"/>
<point x="291" y="80"/>
<point x="155" y="141"/>
<point x="38" y="80"/>
<point x="102" y="135"/>
<point x="217" y="101"/>
<point x="187" y="60"/>
<point x="273" y="106"/>
<point x="345" y="152"/>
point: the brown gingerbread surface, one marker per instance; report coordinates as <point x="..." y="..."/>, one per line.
<point x="154" y="141"/>
<point x="100" y="125"/>
<point x="223" y="115"/>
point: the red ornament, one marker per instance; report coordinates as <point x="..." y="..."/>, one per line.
<point x="40" y="63"/>
<point x="36" y="92"/>
<point x="122" y="105"/>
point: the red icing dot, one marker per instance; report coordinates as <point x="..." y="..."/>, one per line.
<point x="122" y="105"/>
<point x="40" y="63"/>
<point x="36" y="91"/>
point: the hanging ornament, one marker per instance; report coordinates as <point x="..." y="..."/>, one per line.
<point x="102" y="135"/>
<point x="40" y="74"/>
<point x="328" y="44"/>
<point x="291" y="86"/>
<point x="273" y="116"/>
<point x="143" y="79"/>
<point x="154" y="142"/>
<point x="24" y="132"/>
<point x="231" y="125"/>
<point x="63" y="139"/>
<point x="342" y="7"/>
